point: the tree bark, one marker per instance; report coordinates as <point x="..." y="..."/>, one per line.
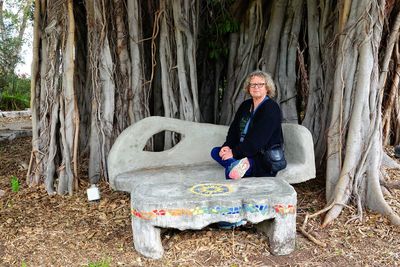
<point x="286" y="68"/>
<point x="103" y="86"/>
<point x="316" y="108"/>
<point x="388" y="109"/>
<point x="146" y="58"/>
<point x="189" y="107"/>
<point x="32" y="177"/>
<point x="122" y="71"/>
<point x="362" y="155"/>
<point x="273" y="36"/>
<point x="139" y="106"/>
<point x="69" y="113"/>
<point x="244" y="50"/>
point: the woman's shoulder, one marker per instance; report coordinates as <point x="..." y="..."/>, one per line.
<point x="247" y="101"/>
<point x="270" y="103"/>
<point x="246" y="104"/>
<point x="270" y="109"/>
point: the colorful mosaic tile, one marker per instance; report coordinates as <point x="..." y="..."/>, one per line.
<point x="284" y="209"/>
<point x="246" y="208"/>
<point x="211" y="189"/>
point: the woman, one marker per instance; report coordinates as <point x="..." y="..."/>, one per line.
<point x="256" y="126"/>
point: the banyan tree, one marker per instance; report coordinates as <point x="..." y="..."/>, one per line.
<point x="100" y="66"/>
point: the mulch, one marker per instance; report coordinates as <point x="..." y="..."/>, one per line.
<point x="41" y="230"/>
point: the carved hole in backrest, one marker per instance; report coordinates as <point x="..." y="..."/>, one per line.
<point x="163" y="141"/>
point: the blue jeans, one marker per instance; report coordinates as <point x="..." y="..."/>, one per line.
<point x="227" y="163"/>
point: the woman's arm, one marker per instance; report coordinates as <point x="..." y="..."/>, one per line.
<point x="233" y="136"/>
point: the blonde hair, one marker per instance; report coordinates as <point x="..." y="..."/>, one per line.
<point x="269" y="82"/>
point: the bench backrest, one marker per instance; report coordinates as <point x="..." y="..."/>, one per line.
<point x="197" y="139"/>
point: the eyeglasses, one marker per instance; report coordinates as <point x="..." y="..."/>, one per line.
<point x="256" y="85"/>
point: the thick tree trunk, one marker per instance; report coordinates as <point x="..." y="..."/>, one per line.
<point x="139" y="106"/>
<point x="357" y="130"/>
<point x="82" y="81"/>
<point x="131" y="63"/>
<point x="32" y="177"/>
<point x="244" y="52"/>
<point x="185" y="21"/>
<point x="103" y="86"/>
<point x="69" y="113"/>
<point x="346" y="63"/>
<point x="316" y="104"/>
<point x="393" y="92"/>
<point x="273" y="36"/>
<point x="286" y="68"/>
<point x="169" y="82"/>
<point x="122" y="71"/>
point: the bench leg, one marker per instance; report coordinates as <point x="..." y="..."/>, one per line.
<point x="281" y="232"/>
<point x="147" y="239"/>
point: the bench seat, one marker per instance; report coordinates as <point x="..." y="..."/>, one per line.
<point x="194" y="204"/>
<point x="163" y="184"/>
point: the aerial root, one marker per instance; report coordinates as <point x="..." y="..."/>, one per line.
<point x="312" y="238"/>
<point x="392" y="185"/>
<point x="388" y="162"/>
<point x="310" y="216"/>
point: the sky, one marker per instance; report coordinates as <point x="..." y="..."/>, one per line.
<point x="26" y="53"/>
<point x="25" y="68"/>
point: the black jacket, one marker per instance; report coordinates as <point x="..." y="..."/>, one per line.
<point x="264" y="131"/>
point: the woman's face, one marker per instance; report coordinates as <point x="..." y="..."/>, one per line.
<point x="257" y="87"/>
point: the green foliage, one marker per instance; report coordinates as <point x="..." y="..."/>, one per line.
<point x="102" y="263"/>
<point x="14" y="92"/>
<point x="220" y="25"/>
<point x="14" y="184"/>
<point x="14" y="102"/>
<point x="15" y="17"/>
<point x="10" y="38"/>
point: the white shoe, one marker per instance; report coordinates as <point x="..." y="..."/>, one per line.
<point x="239" y="169"/>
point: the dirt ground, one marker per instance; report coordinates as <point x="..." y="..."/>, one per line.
<point x="41" y="230"/>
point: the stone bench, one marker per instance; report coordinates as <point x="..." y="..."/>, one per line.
<point x="184" y="188"/>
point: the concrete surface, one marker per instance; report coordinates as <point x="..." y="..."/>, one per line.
<point x="184" y="188"/>
<point x="192" y="154"/>
<point x="193" y="204"/>
<point x="14" y="124"/>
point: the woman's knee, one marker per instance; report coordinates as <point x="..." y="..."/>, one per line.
<point x="215" y="152"/>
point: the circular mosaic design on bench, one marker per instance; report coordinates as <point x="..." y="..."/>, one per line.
<point x="211" y="189"/>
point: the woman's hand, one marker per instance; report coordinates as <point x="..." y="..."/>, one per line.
<point x="223" y="150"/>
<point x="225" y="153"/>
